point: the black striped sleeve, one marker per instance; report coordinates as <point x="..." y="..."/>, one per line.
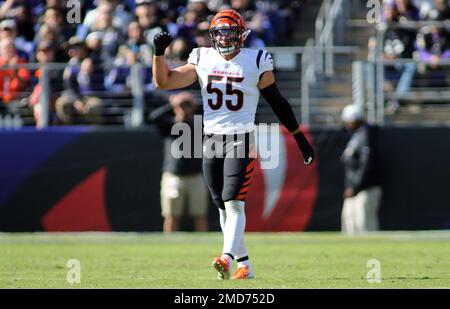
<point x="258" y="58"/>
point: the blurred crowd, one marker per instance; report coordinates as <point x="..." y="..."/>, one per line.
<point x="428" y="43"/>
<point x="111" y="36"/>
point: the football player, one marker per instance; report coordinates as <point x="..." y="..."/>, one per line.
<point x="231" y="79"/>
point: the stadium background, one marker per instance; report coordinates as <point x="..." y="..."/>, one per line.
<point x="79" y="175"/>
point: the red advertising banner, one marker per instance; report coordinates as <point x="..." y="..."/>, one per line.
<point x="283" y="198"/>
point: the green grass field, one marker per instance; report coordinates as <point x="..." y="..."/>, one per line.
<point x="182" y="260"/>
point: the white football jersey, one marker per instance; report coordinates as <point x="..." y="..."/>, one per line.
<point x="229" y="88"/>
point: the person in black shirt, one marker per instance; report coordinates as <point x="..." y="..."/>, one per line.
<point x="362" y="193"/>
<point x="182" y="181"/>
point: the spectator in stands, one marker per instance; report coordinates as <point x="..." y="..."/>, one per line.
<point x="390" y="14"/>
<point x="10" y="8"/>
<point x="149" y="17"/>
<point x="45" y="54"/>
<point x="257" y="21"/>
<point x="135" y="50"/>
<point x="52" y="26"/>
<point x="54" y="18"/>
<point x="38" y="6"/>
<point x="244" y="6"/>
<point x="8" y="30"/>
<point x="187" y="25"/>
<point x="218" y="5"/>
<point x="24" y="23"/>
<point x="283" y="14"/>
<point x="129" y="5"/>
<point x="399" y="43"/>
<point x="136" y="42"/>
<point x="94" y="42"/>
<point x="12" y="80"/>
<point x="405" y="10"/>
<point x="77" y="51"/>
<point x="182" y="182"/>
<point x="120" y="17"/>
<point x="362" y="193"/>
<point x="48" y="33"/>
<point x="179" y="50"/>
<point x="201" y="7"/>
<point x="440" y="11"/>
<point x="202" y="37"/>
<point x="82" y="81"/>
<point x="147" y="13"/>
<point x="119" y="78"/>
<point x="433" y="46"/>
<point x="111" y="38"/>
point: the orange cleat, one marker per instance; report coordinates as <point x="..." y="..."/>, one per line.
<point x="223" y="268"/>
<point x="243" y="273"/>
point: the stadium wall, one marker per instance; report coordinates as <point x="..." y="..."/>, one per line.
<point x="103" y="179"/>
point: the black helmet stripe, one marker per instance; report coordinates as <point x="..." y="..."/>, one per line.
<point x="258" y="58"/>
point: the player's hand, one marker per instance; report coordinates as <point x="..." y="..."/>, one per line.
<point x="161" y="41"/>
<point x="305" y="147"/>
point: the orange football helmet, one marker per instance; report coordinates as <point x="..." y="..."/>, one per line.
<point x="227" y="31"/>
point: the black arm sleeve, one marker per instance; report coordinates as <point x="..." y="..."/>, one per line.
<point x="280" y="106"/>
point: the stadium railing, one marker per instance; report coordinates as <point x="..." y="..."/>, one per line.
<point x="126" y="102"/>
<point x="330" y="23"/>
<point x="375" y="78"/>
<point x="310" y="74"/>
<point x="369" y="91"/>
<point x="124" y="98"/>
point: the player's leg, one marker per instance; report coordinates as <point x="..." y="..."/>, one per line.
<point x="244" y="266"/>
<point x="233" y="194"/>
<point x="213" y="175"/>
<point x="238" y="169"/>
<point x="212" y="165"/>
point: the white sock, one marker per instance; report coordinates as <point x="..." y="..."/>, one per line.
<point x="245" y="263"/>
<point x="242" y="252"/>
<point x="222" y="219"/>
<point x="234" y="226"/>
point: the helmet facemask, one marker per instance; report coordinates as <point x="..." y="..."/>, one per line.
<point x="226" y="40"/>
